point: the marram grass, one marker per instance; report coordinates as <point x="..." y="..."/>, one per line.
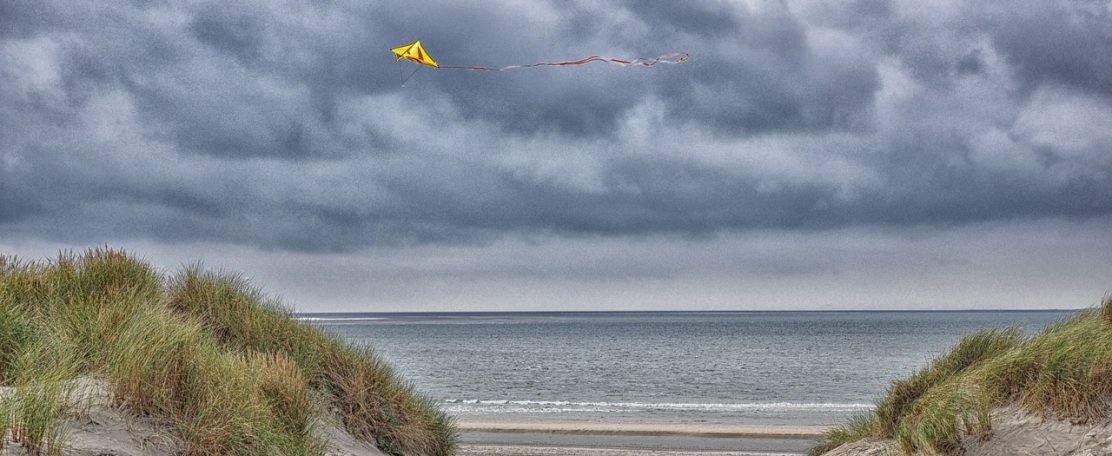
<point x="375" y="403"/>
<point x="42" y="393"/>
<point x="1063" y="373"/>
<point x="224" y="368"/>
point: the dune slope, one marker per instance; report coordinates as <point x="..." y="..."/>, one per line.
<point x="210" y="362"/>
<point x="999" y="393"/>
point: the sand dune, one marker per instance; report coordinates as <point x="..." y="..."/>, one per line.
<point x="97" y="427"/>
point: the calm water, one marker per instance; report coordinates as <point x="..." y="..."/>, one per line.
<point x="719" y="367"/>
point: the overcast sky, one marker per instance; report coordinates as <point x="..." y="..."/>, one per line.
<point x="811" y="155"/>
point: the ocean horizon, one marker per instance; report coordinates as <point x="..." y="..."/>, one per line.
<point x="665" y="367"/>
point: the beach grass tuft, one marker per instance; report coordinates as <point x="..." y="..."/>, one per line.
<point x="860" y="426"/>
<point x="969" y="352"/>
<point x="1106" y="310"/>
<point x="41" y="394"/>
<point x="205" y="355"/>
<point x="374" y="402"/>
<point x="1065" y="372"/>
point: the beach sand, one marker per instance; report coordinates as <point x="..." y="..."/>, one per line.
<point x="612" y="439"/>
<point x="524" y="450"/>
<point x="648" y="429"/>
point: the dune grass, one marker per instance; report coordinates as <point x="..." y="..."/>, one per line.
<point x="1063" y="373"/>
<point x="203" y="354"/>
<point x="41" y="393"/>
<point x="373" y="401"/>
<point x="860" y="426"/>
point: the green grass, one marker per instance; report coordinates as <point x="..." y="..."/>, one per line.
<point x="38" y="364"/>
<point x="859" y="427"/>
<point x="1063" y="373"/>
<point x="205" y="355"/>
<point x="41" y="373"/>
<point x="375" y="403"/>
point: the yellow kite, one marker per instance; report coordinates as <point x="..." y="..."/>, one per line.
<point x="414" y="53"/>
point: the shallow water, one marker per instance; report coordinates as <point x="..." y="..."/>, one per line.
<point x="688" y="367"/>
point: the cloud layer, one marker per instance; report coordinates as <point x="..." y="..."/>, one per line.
<point x="283" y="126"/>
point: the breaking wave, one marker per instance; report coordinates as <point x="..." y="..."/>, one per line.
<point x="476" y="405"/>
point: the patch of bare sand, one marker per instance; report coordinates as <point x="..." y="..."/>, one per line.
<point x="97" y="428"/>
<point x="1016" y="433"/>
<point x="342" y="443"/>
<point x="867" y="447"/>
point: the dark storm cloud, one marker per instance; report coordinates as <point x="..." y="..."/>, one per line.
<point x="16" y="204"/>
<point x="1068" y="43"/>
<point x="230" y="31"/>
<point x="286" y="126"/>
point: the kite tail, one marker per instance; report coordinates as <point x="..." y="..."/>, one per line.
<point x="673" y="58"/>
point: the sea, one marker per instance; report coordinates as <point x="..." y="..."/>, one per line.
<point x="761" y="368"/>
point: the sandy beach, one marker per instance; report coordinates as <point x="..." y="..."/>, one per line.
<point x="621" y="439"/>
<point x="648" y="429"/>
<point x="522" y="450"/>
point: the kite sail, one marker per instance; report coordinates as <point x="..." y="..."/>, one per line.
<point x="416" y="53"/>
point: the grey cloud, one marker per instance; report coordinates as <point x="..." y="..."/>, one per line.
<point x="971" y="63"/>
<point x="1066" y="42"/>
<point x="708" y="19"/>
<point x="227" y="30"/>
<point x="253" y="125"/>
<point x="16" y="205"/>
<point x="23" y="18"/>
<point x="855" y="15"/>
